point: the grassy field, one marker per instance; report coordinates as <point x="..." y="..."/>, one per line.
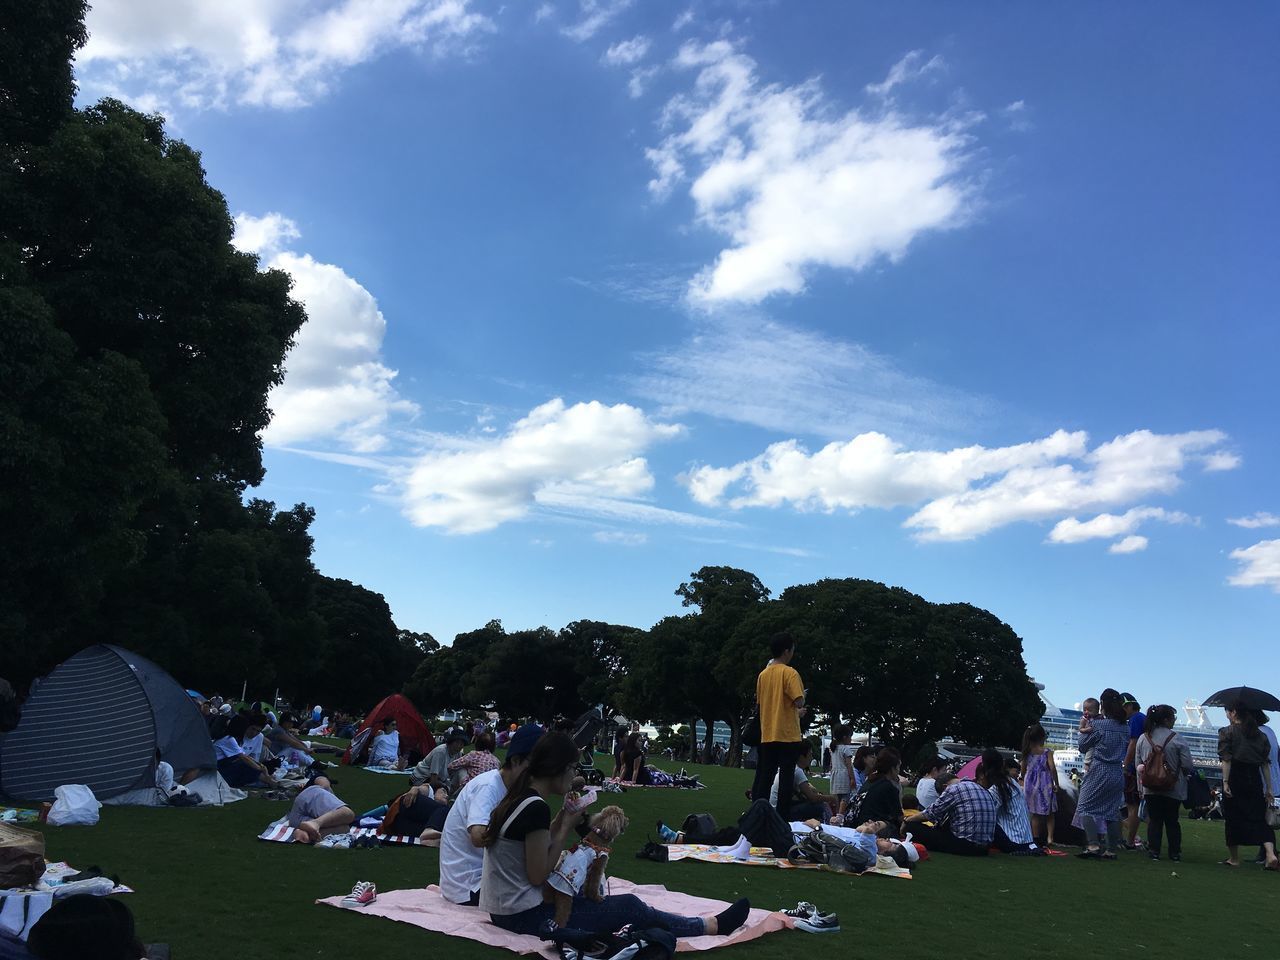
<point x="207" y="886"/>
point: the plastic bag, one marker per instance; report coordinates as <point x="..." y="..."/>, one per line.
<point x="74" y="803"/>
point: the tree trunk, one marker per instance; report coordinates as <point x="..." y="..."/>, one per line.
<point x="707" y="741"/>
<point x="735" y="742"/>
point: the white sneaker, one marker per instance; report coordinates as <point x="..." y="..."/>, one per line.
<point x="361" y="895"/>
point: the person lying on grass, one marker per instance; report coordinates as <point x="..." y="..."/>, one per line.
<point x="316" y="813"/>
<point x="523" y="842"/>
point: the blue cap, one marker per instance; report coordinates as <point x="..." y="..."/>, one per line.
<point x="524" y="740"/>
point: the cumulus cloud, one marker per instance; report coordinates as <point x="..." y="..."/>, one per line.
<point x="795" y="381"/>
<point x="336" y="386"/>
<point x="594" y="16"/>
<point x="793" y="183"/>
<point x="961" y="493"/>
<point x="1130" y="544"/>
<point x="1259" y="565"/>
<point x="1255" y="521"/>
<point x="586" y="458"/>
<point x="626" y="52"/>
<point x="191" y="54"/>
<point x="1106" y="526"/>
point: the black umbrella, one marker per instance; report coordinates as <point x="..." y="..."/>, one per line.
<point x="1248" y="697"/>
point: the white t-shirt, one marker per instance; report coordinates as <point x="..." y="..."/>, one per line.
<point x="226" y="748"/>
<point x="164" y="776"/>
<point x="462" y="863"/>
<point x="926" y="792"/>
<point x="386" y="747"/>
<point x="253" y="747"/>
<point x="801" y="777"/>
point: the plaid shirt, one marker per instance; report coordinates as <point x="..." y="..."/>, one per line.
<point x="476" y="762"/>
<point x="968" y="811"/>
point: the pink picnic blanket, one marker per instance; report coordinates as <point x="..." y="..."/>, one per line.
<point x="428" y="910"/>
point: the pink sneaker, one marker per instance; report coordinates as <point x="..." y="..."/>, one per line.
<point x="361" y="895"/>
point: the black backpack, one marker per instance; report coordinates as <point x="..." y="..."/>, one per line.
<point x="763" y="827"/>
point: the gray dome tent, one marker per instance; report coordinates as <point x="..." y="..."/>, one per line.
<point x="98" y="719"/>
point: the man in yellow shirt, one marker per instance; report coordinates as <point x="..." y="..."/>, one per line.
<point x="780" y="698"/>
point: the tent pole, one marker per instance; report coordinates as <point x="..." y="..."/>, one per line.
<point x="244" y="690"/>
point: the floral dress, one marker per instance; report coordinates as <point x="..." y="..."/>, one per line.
<point x="1038" y="785"/>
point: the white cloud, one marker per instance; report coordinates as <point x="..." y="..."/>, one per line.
<point x="266" y="235"/>
<point x="335" y="386"/>
<point x="1105" y="526"/>
<point x="586" y="457"/>
<point x="1018" y="116"/>
<point x="191" y="54"/>
<point x="621" y="537"/>
<point x="798" y="382"/>
<point x="1256" y="521"/>
<point x="965" y="492"/>
<point x="544" y="12"/>
<point x="1131" y="544"/>
<point x="1221" y="460"/>
<point x="910" y="67"/>
<point x="1259" y="565"/>
<point x="682" y="21"/>
<point x="793" y="184"/>
<point x="639" y="80"/>
<point x="626" y="52"/>
<point x="596" y="14"/>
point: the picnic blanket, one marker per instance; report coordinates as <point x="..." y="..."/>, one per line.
<point x="425" y="908"/>
<point x="627" y="785"/>
<point x="763" y="857"/>
<point x="279" y="831"/>
<point x="386" y="770"/>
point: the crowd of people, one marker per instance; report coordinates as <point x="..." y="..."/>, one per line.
<point x="503" y="823"/>
<point x="1136" y="771"/>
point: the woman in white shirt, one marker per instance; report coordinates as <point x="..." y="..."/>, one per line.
<point x="523" y="845"/>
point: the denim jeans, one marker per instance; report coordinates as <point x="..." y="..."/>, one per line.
<point x="607" y="916"/>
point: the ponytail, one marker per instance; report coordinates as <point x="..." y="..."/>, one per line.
<point x="554" y="754"/>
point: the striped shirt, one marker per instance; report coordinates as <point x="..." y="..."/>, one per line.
<point x="1012" y="817"/>
<point x="968" y="811"/>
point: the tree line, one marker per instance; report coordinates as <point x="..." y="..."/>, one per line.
<point x="137" y="351"/>
<point x="882" y="658"/>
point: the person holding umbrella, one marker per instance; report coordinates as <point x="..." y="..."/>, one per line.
<point x="1246" y="784"/>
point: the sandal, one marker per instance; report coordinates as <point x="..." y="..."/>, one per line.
<point x="1227" y="863"/>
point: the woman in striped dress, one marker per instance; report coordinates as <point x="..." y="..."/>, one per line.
<point x="1102" y="793"/>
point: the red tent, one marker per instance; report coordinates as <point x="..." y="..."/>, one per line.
<point x="414" y="733"/>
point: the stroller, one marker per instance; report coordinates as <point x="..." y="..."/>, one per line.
<point x="585" y="729"/>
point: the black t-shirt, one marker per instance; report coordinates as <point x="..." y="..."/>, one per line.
<point x="534" y="817"/>
<point x="877" y="800"/>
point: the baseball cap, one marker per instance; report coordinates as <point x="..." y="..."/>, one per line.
<point x="524" y="740"/>
<point x="1128" y="698"/>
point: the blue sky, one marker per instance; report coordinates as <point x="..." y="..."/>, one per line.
<point x="980" y="303"/>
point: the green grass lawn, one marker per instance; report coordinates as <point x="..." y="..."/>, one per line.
<point x="207" y="886"/>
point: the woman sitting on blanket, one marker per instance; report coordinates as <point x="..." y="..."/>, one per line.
<point x="523" y="844"/>
<point x="879" y="797"/>
<point x="633" y="762"/>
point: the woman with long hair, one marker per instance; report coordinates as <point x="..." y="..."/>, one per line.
<point x="1013" y="825"/>
<point x="522" y="846"/>
<point x="1102" y="793"/>
<point x="1247" y="790"/>
<point x="1039" y="781"/>
<point x="879" y="797"/>
<point x="1163" y="804"/>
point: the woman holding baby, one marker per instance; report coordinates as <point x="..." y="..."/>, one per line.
<point x="1102" y="793"/>
<point x="523" y="845"/>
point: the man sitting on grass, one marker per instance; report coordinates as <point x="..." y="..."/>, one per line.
<point x="236" y="766"/>
<point x="316" y="813"/>
<point x="433" y="770"/>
